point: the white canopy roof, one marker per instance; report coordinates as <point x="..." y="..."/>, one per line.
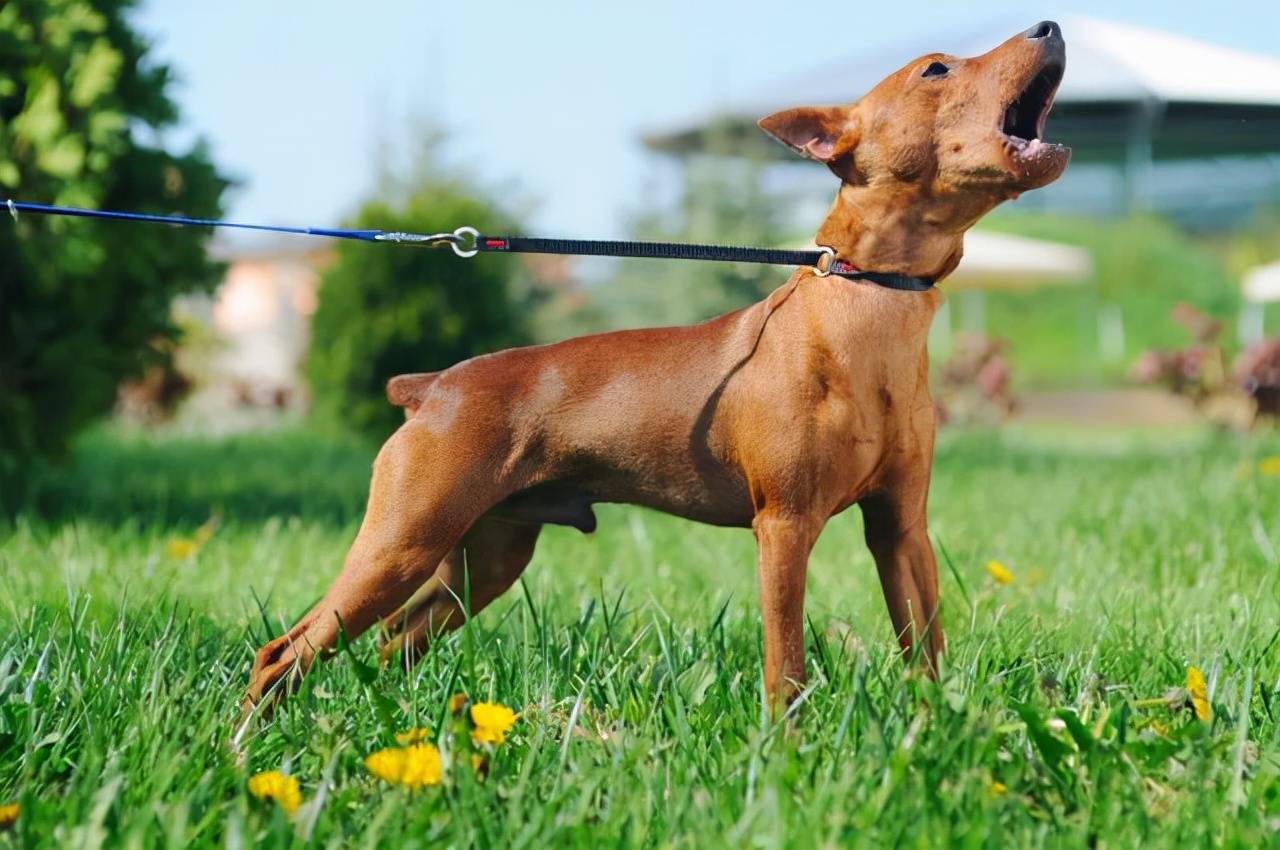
<point x="1105" y="61"/>
<point x="1111" y="61"/>
<point x="1000" y="261"/>
<point x="1262" y="283"/>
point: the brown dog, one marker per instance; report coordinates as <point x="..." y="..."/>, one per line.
<point x="774" y="417"/>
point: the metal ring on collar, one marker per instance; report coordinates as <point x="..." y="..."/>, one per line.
<point x="466" y="236"/>
<point x="823" y="269"/>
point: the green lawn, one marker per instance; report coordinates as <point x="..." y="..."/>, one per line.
<point x="633" y="656"/>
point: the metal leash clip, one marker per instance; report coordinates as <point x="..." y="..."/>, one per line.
<point x="13" y="211"/>
<point x="462" y="240"/>
<point x="462" y="247"/>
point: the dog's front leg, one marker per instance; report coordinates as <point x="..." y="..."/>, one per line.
<point x="784" y="543"/>
<point x="899" y="541"/>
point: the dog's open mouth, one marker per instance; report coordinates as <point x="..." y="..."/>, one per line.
<point x="1023" y="122"/>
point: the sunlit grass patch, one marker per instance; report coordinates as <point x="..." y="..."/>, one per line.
<point x="614" y="696"/>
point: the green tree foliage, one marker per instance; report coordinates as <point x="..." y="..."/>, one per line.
<point x="722" y="202"/>
<point x="83" y="303"/>
<point x="386" y="310"/>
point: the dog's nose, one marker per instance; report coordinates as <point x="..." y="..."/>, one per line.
<point x="1044" y="29"/>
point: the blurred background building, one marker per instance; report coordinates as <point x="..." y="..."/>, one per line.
<point x="257" y="327"/>
<point x="1156" y="122"/>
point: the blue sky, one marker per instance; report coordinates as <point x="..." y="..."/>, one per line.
<point x="543" y="101"/>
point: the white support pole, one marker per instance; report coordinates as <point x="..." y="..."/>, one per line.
<point x="1111" y="332"/>
<point x="973" y="311"/>
<point x="940" y="332"/>
<point x="1249" y="328"/>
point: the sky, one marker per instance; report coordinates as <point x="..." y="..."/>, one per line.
<point x="542" y="101"/>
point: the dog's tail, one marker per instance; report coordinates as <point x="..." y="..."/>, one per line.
<point x="408" y="391"/>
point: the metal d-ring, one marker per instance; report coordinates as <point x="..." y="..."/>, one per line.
<point x="460" y="239"/>
<point x="13" y="211"/>
<point x="820" y="268"/>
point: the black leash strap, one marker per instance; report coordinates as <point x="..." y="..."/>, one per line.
<point x="824" y="261"/>
<point x="651" y="250"/>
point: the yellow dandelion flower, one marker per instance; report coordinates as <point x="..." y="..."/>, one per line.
<point x="999" y="572"/>
<point x="421" y="766"/>
<point x="456" y="702"/>
<point x="8" y="815"/>
<point x="997" y="789"/>
<point x="387" y="765"/>
<point x="416" y="735"/>
<point x="278" y="787"/>
<point x="492" y="722"/>
<point x="1199" y="695"/>
<point x="412" y="767"/>
<point x="181" y="548"/>
<point x="1269" y="465"/>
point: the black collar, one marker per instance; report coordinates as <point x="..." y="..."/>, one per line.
<point x="890" y="280"/>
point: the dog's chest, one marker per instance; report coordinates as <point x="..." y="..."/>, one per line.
<point x="857" y="413"/>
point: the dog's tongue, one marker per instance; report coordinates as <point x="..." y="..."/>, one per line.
<point x="1029" y="149"/>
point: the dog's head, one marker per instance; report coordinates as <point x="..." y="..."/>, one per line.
<point x="962" y="133"/>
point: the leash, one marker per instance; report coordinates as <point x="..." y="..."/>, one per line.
<point x="467" y="242"/>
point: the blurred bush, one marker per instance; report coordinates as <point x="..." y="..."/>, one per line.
<point x="85" y="304"/>
<point x="973" y="383"/>
<point x="385" y="310"/>
<point x="723" y="201"/>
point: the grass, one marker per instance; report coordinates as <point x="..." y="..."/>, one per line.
<point x="633" y="656"/>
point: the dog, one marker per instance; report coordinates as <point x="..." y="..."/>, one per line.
<point x="775" y="417"/>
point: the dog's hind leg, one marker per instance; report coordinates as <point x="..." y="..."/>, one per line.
<point x="420" y="505"/>
<point x="491" y="556"/>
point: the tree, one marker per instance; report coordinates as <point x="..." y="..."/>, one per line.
<point x="390" y="309"/>
<point x="85" y="303"/>
<point x="723" y="201"/>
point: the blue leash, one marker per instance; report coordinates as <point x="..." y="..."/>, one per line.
<point x="454" y="239"/>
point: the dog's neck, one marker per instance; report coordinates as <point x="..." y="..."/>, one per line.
<point x="876" y="231"/>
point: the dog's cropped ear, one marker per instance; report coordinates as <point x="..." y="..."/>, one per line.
<point x="824" y="133"/>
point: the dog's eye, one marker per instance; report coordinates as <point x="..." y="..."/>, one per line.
<point x="936" y="69"/>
